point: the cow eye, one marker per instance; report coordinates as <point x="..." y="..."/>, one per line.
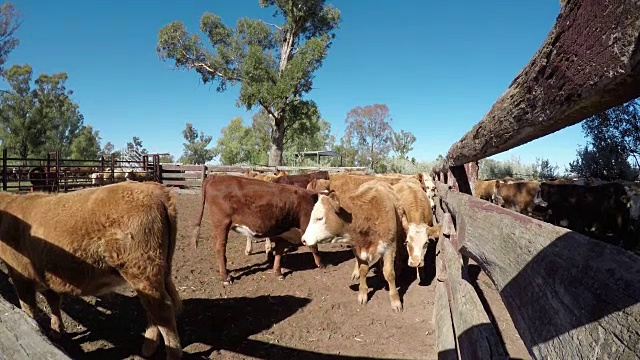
<point x="319" y="218"/>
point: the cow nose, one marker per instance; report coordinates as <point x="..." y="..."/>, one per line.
<point x="304" y="242"/>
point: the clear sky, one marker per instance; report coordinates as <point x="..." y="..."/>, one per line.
<point x="438" y="65"/>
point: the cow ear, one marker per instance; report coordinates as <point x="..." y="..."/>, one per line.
<point x="333" y="196"/>
<point x="497" y="184"/>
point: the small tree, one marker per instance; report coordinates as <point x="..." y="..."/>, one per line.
<point x="273" y="63"/>
<point x="403" y="143"/>
<point x="195" y="149"/>
<point x="237" y="143"/>
<point x="544" y="170"/>
<point x="86" y="145"/>
<point x="369" y="130"/>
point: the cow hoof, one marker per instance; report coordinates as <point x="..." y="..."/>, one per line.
<point x="247" y="253"/>
<point x="227" y="282"/>
<point x="281" y="277"/>
<point x="396" y="306"/>
<point x="362" y="298"/>
<point x="355" y="277"/>
<point x="321" y="266"/>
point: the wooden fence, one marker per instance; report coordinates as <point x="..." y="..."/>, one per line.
<point x="192" y="175"/>
<point x="570" y="296"/>
<point x="55" y="174"/>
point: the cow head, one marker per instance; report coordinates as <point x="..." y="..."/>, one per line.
<point x="495" y="195"/>
<point x="418" y="236"/>
<point x="327" y="222"/>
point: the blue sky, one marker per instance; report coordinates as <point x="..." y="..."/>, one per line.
<point x="439" y="66"/>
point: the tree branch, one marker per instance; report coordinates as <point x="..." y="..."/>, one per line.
<point x="199" y="64"/>
<point x="270" y="24"/>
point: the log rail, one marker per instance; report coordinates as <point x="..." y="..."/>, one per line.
<point x="570" y="296"/>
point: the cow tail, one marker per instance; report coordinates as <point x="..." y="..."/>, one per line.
<point x="171" y="216"/>
<point x="196" y="230"/>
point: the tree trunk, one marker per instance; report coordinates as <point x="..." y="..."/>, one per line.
<point x="277" y="142"/>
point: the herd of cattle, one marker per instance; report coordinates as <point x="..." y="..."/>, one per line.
<point x="608" y="211"/>
<point x="67" y="244"/>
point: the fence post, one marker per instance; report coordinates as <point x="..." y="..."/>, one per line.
<point x="113" y="165"/>
<point x="4" y="169"/>
<point x="101" y="163"/>
<point x="157" y="169"/>
<point x="57" y="180"/>
<point x="204" y="173"/>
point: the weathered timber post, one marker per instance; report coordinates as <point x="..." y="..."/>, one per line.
<point x="5" y="169"/>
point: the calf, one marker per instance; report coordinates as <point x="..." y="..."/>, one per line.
<point x="371" y="221"/>
<point x="87" y="242"/>
<point x="417" y="221"/>
<point x="256" y="209"/>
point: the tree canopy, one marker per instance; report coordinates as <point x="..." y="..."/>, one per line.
<point x="369" y="132"/>
<point x="195" y="149"/>
<point x="9" y="23"/>
<point x="613" y="140"/>
<point x="37" y="119"/>
<point x="274" y="64"/>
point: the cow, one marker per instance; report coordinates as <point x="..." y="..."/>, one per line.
<point x="302" y="180"/>
<point x="520" y="196"/>
<point x="319" y="185"/>
<point x="370" y="220"/>
<point x="90" y="241"/>
<point x="417" y="220"/>
<point x="282" y="177"/>
<point x="599" y="208"/>
<point x="256" y="209"/>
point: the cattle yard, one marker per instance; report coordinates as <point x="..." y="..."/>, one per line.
<point x="494" y="275"/>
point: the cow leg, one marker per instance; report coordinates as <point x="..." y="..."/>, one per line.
<point x="389" y="274"/>
<point x="26" y="291"/>
<point x="363" y="291"/>
<point x="160" y="310"/>
<point x="268" y="246"/>
<point x="57" y="325"/>
<point x="279" y="250"/>
<point x="316" y="256"/>
<point x="221" y="235"/>
<point x="355" y="275"/>
<point x="151" y="337"/>
<point x="249" y="248"/>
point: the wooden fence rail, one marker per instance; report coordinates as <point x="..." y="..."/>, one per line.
<point x="570" y="296"/>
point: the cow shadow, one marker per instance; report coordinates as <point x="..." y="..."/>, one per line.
<point x="293" y="261"/>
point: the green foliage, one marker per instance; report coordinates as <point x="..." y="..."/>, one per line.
<point x="86" y="144"/>
<point x="195" y="149"/>
<point x="369" y="133"/>
<point x="495" y="169"/>
<point x="273" y="63"/>
<point x="167" y="159"/>
<point x="403" y="143"/>
<point x="36" y="120"/>
<point x="403" y="166"/>
<point x="613" y="139"/>
<point x="9" y="23"/>
<point x="135" y="146"/>
<point x="543" y="169"/>
<point x="237" y="145"/>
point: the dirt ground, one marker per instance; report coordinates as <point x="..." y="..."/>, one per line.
<point x="311" y="314"/>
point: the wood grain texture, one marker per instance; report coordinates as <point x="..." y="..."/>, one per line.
<point x="477" y="338"/>
<point x="445" y="340"/>
<point x="21" y="337"/>
<point x="570" y="296"/>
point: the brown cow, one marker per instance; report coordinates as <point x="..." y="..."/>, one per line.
<point x="302" y="180"/>
<point x="371" y="221"/>
<point x="519" y="196"/>
<point x="319" y="185"/>
<point x="417" y="222"/>
<point x="255" y="209"/>
<point x="87" y="242"/>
